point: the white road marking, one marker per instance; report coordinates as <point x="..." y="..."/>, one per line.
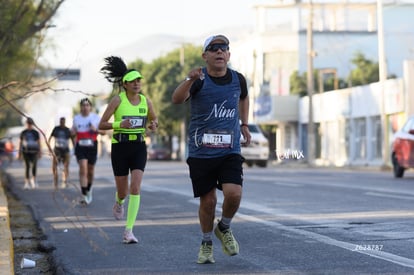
<point x="401" y="197"/>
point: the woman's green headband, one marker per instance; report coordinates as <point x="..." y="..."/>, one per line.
<point x="131" y="76"/>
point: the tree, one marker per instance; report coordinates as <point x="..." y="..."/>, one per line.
<point x="298" y="84"/>
<point x="161" y="78"/>
<point x="21" y="26"/>
<point x="366" y="71"/>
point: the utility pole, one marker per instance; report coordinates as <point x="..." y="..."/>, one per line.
<point x="310" y="84"/>
<point x="184" y="123"/>
<point x="382" y="78"/>
<point x="182" y="56"/>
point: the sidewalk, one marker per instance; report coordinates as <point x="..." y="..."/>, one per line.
<point x="6" y="239"/>
<point x="292" y="163"/>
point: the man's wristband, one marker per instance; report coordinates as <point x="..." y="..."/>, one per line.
<point x="244" y="124"/>
<point x="116" y="125"/>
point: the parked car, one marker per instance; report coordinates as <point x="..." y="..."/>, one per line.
<point x="158" y="152"/>
<point x="258" y="150"/>
<point x="402" y="151"/>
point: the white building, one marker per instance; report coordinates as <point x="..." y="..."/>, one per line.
<point x="279" y="46"/>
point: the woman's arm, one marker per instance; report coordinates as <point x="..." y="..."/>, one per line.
<point x="153" y="120"/>
<point x="104" y="123"/>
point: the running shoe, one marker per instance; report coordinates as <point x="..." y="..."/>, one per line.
<point x="89" y="196"/>
<point x="33" y="183"/>
<point x="118" y="211"/>
<point x="84" y="200"/>
<point x="205" y="255"/>
<point x="26" y="184"/>
<point x="228" y="242"/>
<point x="129" y="237"/>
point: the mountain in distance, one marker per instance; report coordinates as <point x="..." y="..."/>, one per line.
<point x="47" y="108"/>
<point x="147" y="48"/>
<point x="153" y="46"/>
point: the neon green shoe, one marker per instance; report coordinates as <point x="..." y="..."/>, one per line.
<point x="228" y="243"/>
<point x="205" y="255"/>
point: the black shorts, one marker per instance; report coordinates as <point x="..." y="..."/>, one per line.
<point x="62" y="154"/>
<point x="210" y="173"/>
<point x="87" y="152"/>
<point x="128" y="156"/>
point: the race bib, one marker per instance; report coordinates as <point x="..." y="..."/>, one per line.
<point x="218" y="139"/>
<point x="62" y="143"/>
<point x="85" y="142"/>
<point x="30" y="144"/>
<point x="136" y="122"/>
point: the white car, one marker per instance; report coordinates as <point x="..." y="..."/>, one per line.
<point x="258" y="150"/>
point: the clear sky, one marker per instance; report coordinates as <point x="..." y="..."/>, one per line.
<point x="86" y="27"/>
<point x="89" y="27"/>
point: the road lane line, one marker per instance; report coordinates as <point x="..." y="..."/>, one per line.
<point x="377" y="194"/>
<point x="382" y="255"/>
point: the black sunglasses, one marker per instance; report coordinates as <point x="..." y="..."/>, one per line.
<point x="216" y="47"/>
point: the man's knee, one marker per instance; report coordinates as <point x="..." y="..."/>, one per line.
<point x="232" y="190"/>
<point x="209" y="200"/>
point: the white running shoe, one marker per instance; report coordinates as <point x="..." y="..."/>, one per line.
<point x="118" y="211"/>
<point x="26" y="184"/>
<point x="33" y="183"/>
<point x="129" y="237"/>
<point x="84" y="200"/>
<point x="89" y="196"/>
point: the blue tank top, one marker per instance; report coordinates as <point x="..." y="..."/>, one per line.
<point x="214" y="129"/>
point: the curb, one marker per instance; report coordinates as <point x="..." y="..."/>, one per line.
<point x="6" y="239"/>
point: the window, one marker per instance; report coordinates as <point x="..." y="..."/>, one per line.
<point x="68" y="74"/>
<point x="360" y="139"/>
<point x="376" y="138"/>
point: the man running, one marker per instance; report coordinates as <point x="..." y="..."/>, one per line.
<point x="61" y="135"/>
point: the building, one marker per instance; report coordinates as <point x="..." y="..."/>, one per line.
<point x="279" y="46"/>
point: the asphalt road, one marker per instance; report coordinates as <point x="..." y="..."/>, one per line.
<point x="291" y="221"/>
